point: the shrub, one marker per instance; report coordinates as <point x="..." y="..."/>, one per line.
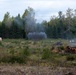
<point x="61" y="47"/>
<point x="46" y="54"/>
<point x="16" y="59"/>
<point x="25" y="52"/>
<point x="1" y="43"/>
<point x="70" y="58"/>
<point x="12" y="51"/>
<point x="12" y="59"/>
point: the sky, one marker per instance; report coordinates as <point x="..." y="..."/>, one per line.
<point x="44" y="9"/>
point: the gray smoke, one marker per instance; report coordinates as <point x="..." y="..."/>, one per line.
<point x="34" y="30"/>
<point x="18" y="21"/>
<point x="30" y="23"/>
<point x="37" y="35"/>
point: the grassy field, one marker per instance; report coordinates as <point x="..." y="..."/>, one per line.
<point x="33" y="53"/>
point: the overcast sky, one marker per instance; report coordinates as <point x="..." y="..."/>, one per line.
<point x="44" y="9"/>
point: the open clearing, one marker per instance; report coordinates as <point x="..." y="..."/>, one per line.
<point x="26" y="57"/>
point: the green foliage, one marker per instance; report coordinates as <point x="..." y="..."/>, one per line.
<point x="12" y="51"/>
<point x="12" y="59"/>
<point x="34" y="52"/>
<point x="57" y="27"/>
<point x="61" y="48"/>
<point x="70" y="58"/>
<point x="1" y="43"/>
<point x="15" y="56"/>
<point x="46" y="54"/>
<point x="26" y="52"/>
<point x="16" y="59"/>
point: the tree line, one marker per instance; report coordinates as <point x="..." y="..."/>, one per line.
<point x="61" y="26"/>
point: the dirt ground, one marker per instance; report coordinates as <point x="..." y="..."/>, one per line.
<point x="36" y="70"/>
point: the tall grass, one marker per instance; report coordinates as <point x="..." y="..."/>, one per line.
<point x="33" y="52"/>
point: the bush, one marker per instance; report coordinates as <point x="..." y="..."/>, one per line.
<point x="12" y="59"/>
<point x="1" y="43"/>
<point x="16" y="59"/>
<point x="26" y="52"/>
<point x="70" y="58"/>
<point x="46" y="54"/>
<point x="12" y="51"/>
<point x="61" y="47"/>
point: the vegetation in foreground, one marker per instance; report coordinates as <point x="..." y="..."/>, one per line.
<point x="33" y="53"/>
